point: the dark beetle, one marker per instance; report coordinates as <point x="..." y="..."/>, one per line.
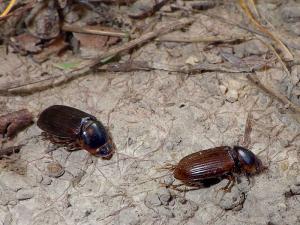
<point x="220" y="162"/>
<point x="64" y="124"/>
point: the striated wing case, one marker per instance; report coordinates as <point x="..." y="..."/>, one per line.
<point x="204" y="164"/>
<point x="62" y="121"/>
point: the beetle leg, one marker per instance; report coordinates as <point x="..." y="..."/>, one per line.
<point x="72" y="146"/>
<point x="229" y="185"/>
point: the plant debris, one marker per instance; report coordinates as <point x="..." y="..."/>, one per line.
<point x="4" y="152"/>
<point x="12" y="123"/>
<point x="144" y="8"/>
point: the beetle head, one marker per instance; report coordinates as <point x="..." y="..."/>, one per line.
<point x="249" y="163"/>
<point x="95" y="138"/>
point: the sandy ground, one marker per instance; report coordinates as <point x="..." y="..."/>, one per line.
<point x="157" y="117"/>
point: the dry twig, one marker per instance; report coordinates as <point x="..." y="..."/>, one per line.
<point x="12" y="123"/>
<point x="287" y="54"/>
<point x="280" y="97"/>
<point x="93" y="30"/>
<point x="88" y="65"/>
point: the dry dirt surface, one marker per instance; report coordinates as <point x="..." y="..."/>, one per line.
<point x="159" y="115"/>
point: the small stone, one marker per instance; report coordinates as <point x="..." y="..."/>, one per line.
<point x="223" y="89"/>
<point x="164" y="196"/>
<point x="192" y="60"/>
<point x="232" y="96"/>
<point x="230" y="200"/>
<point x="38" y="178"/>
<point x="169" y="180"/>
<point x="24" y="194"/>
<point x="55" y="170"/>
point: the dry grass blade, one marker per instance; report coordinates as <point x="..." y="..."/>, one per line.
<point x="8" y="8"/>
<point x="19" y="11"/>
<point x="280" y="97"/>
<point x="205" y="39"/>
<point x="90" y="30"/>
<point x="286" y="52"/>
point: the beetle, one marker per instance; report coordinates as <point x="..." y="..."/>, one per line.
<point x="217" y="163"/>
<point x="72" y="127"/>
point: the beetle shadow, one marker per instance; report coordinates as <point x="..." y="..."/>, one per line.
<point x="209" y="182"/>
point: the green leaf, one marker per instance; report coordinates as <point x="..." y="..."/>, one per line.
<point x="67" y="65"/>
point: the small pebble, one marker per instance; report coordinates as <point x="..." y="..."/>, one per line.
<point x="232" y="96"/>
<point x="192" y="60"/>
<point x="55" y="170"/>
<point x="164" y="196"/>
<point x="223" y="89"/>
<point x="24" y="194"/>
<point x="230" y="200"/>
<point x="169" y="180"/>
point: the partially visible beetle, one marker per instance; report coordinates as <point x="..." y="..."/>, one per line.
<point x="67" y="125"/>
<point x="217" y="163"/>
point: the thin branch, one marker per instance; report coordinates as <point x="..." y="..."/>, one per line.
<point x="88" y="65"/>
<point x="280" y="97"/>
<point x="92" y="30"/>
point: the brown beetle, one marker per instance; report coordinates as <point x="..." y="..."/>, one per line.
<point x="217" y="163"/>
<point x="77" y="129"/>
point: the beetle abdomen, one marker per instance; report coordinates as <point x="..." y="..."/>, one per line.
<point x="205" y="164"/>
<point x="62" y="121"/>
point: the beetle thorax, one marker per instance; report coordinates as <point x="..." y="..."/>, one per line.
<point x="246" y="161"/>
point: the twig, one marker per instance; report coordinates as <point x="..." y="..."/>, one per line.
<point x="88" y="65"/>
<point x="280" y="97"/>
<point x="166" y="28"/>
<point x="169" y="38"/>
<point x="277" y="55"/>
<point x="92" y="30"/>
<point x="12" y="123"/>
<point x="287" y="54"/>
